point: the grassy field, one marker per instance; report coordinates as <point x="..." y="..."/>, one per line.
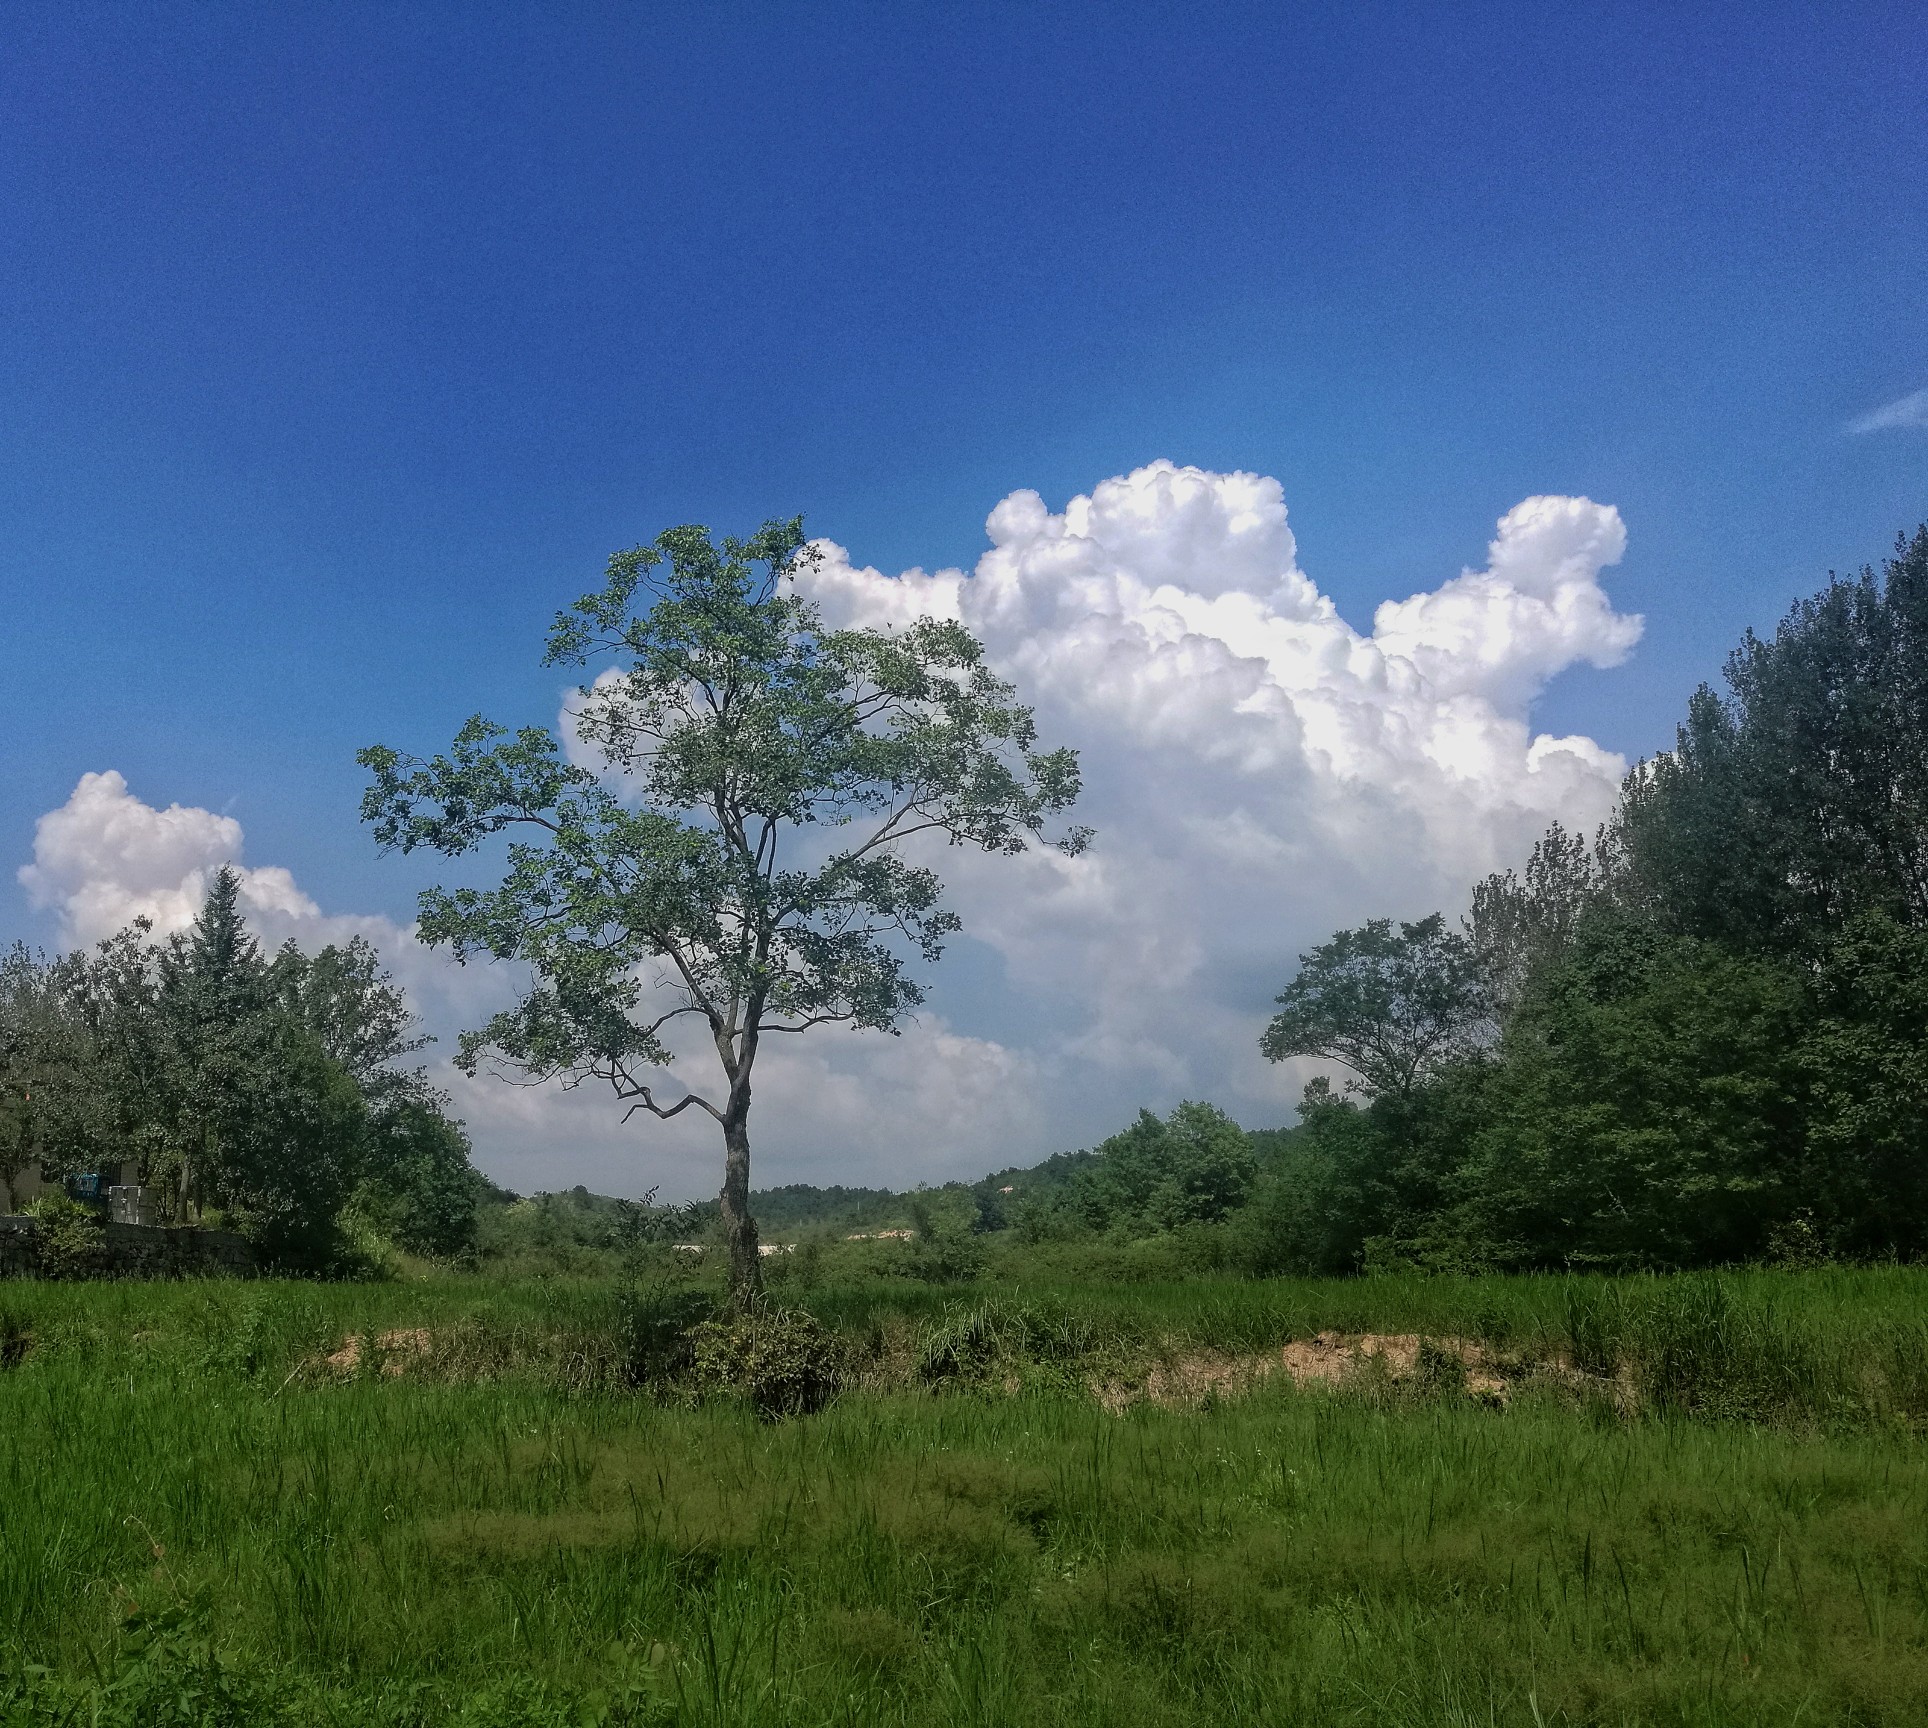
<point x="1701" y="1501"/>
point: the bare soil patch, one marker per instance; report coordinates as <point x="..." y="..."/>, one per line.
<point x="1333" y="1358"/>
<point x="394" y="1351"/>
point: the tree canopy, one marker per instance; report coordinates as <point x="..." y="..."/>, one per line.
<point x="1391" y="1003"/>
<point x="1799" y="797"/>
<point x="736" y="851"/>
<point x="270" y="1094"/>
<point x="1702" y="1034"/>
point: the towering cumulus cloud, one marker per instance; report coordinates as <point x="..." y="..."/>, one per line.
<point x="1258" y="771"/>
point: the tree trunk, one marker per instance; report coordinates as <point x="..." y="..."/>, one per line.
<point x="739" y="1228"/>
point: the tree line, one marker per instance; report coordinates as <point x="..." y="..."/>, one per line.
<point x="1699" y="1037"/>
<point x="269" y="1093"/>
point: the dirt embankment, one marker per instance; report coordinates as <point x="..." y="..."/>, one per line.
<point x="1331" y="1360"/>
<point x="1175" y="1378"/>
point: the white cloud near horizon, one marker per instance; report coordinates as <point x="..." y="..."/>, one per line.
<point x="1258" y="772"/>
<point x="1904" y="412"/>
<point x="105" y="858"/>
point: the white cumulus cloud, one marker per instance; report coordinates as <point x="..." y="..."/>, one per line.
<point x="1259" y="772"/>
<point x="106" y="858"/>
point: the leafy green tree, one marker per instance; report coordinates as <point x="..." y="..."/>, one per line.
<point x="43" y="1052"/>
<point x="1648" y="1111"/>
<point x="1799" y="797"/>
<point x="1195" y="1167"/>
<point x="739" y="740"/>
<point x="261" y="1123"/>
<point x="1865" y="1055"/>
<point x="1392" y="1004"/>
<point x="413" y="1180"/>
<point x="1521" y="924"/>
<point x="417" y="1186"/>
<point x="944" y="1246"/>
<point x="1371" y="1183"/>
<point x="357" y="1013"/>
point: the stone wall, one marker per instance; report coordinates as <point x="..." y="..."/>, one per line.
<point x="18" y="1256"/>
<point x="136" y="1251"/>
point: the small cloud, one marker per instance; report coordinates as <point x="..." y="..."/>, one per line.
<point x="1908" y="411"/>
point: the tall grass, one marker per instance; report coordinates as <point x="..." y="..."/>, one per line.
<point x="189" y="1515"/>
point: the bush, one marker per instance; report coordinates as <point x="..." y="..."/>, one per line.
<point x="971" y="1342"/>
<point x="945" y="1248"/>
<point x="68" y="1237"/>
<point x="420" y="1191"/>
<point x="657" y="1325"/>
<point x="782" y="1361"/>
<point x="1195" y="1167"/>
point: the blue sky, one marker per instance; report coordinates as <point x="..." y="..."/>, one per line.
<point x="338" y="346"/>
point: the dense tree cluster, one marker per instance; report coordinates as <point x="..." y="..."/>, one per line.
<point x="1702" y="1038"/>
<point x="1197" y="1166"/>
<point x="271" y="1093"/>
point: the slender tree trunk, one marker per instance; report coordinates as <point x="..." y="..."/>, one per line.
<point x="739" y="1228"/>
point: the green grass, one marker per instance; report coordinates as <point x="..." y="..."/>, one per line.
<point x="197" y="1528"/>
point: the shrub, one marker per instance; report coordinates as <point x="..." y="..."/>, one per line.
<point x="68" y="1238"/>
<point x="1195" y="1167"/>
<point x="970" y="1342"/>
<point x="945" y="1248"/>
<point x="656" y="1329"/>
<point x="782" y="1361"/>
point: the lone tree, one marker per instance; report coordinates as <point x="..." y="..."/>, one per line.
<point x="698" y="873"/>
<point x="1391" y="1003"/>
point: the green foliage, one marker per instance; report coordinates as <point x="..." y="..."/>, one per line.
<point x="1864" y="1056"/>
<point x="44" y="1048"/>
<point x="1392" y="1005"/>
<point x="1520" y="926"/>
<point x="738" y="738"/>
<point x="971" y="1344"/>
<point x="1648" y="1112"/>
<point x="577" y="1234"/>
<point x="262" y="1093"/>
<point x="658" y="1331"/>
<point x="68" y="1238"/>
<point x="782" y="1361"/>
<point x="944" y="1248"/>
<point x="418" y="1187"/>
<point x="1798" y="799"/>
<point x="1196" y="1166"/>
<point x="1369" y="1184"/>
<point x="1702" y="1040"/>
